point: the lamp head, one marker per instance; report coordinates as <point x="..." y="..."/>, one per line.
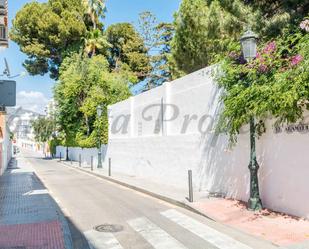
<point x="249" y="45"/>
<point x="99" y="111"/>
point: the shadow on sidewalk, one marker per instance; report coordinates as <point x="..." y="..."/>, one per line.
<point x="79" y="240"/>
<point x="29" y="216"/>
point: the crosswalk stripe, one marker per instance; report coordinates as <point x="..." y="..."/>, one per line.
<point x="157" y="237"/>
<point x="205" y="232"/>
<point x="97" y="240"/>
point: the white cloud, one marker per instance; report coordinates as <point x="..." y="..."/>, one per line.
<point x="33" y="101"/>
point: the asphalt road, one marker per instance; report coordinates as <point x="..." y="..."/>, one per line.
<point x="128" y="218"/>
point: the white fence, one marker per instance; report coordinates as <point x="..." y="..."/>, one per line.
<point x="162" y="133"/>
<point x="86" y="154"/>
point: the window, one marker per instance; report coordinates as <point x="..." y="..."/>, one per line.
<point x="2" y="32"/>
<point x="2" y="4"/>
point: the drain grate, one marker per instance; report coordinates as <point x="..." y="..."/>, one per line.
<point x="108" y="228"/>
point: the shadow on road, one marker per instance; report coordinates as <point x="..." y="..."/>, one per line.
<point x="25" y="202"/>
<point x="79" y="240"/>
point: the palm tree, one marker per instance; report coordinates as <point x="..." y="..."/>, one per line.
<point x="96" y="9"/>
<point x="95" y="41"/>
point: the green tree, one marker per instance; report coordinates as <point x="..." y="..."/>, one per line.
<point x="147" y="23"/>
<point x="46" y="32"/>
<point x="96" y="10"/>
<point x="276" y="15"/>
<point x="157" y="38"/>
<point x="204" y="30"/>
<point x="207" y="30"/>
<point x="162" y="64"/>
<point x="43" y="129"/>
<point x="128" y="50"/>
<point x="96" y="42"/>
<point x="85" y="83"/>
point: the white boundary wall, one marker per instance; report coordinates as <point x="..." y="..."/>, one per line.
<point x="86" y="154"/>
<point x="165" y="155"/>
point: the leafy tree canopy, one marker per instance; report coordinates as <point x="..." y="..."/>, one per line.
<point x="162" y="66"/>
<point x="47" y="31"/>
<point x="43" y="129"/>
<point x="157" y="38"/>
<point x="276" y="15"/>
<point x="127" y="49"/>
<point x="84" y="84"/>
<point x="96" y="10"/>
<point x="96" y="42"/>
<point x="207" y="29"/>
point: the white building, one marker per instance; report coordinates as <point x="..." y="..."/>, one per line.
<point x="51" y="109"/>
<point x="19" y="121"/>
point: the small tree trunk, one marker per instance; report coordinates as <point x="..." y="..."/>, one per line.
<point x="87" y="124"/>
<point x="67" y="154"/>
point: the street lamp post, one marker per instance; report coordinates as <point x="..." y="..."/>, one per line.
<point x="99" y="113"/>
<point x="249" y="50"/>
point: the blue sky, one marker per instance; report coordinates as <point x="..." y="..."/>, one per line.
<point x="34" y="92"/>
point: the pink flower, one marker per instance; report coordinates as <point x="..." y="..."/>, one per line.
<point x="233" y="55"/>
<point x="296" y="59"/>
<point x="259" y="57"/>
<point x="270" y="47"/>
<point x="304" y="25"/>
<point x="263" y="68"/>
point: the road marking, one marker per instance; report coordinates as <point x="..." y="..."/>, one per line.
<point x="207" y="233"/>
<point x="97" y="240"/>
<point x="37" y="192"/>
<point x="157" y="237"/>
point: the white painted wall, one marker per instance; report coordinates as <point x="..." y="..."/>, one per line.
<point x="6" y="149"/>
<point x="166" y="156"/>
<point x="86" y="154"/>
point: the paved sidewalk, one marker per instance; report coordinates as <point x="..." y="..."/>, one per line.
<point x="29" y="217"/>
<point x="282" y="230"/>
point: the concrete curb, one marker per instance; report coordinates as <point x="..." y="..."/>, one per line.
<point x="141" y="190"/>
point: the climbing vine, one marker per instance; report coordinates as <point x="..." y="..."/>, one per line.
<point x="275" y="84"/>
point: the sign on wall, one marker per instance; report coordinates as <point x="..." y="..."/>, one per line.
<point x="7" y="93"/>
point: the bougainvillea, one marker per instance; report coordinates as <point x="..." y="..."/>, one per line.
<point x="304" y="25"/>
<point x="275" y="84"/>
